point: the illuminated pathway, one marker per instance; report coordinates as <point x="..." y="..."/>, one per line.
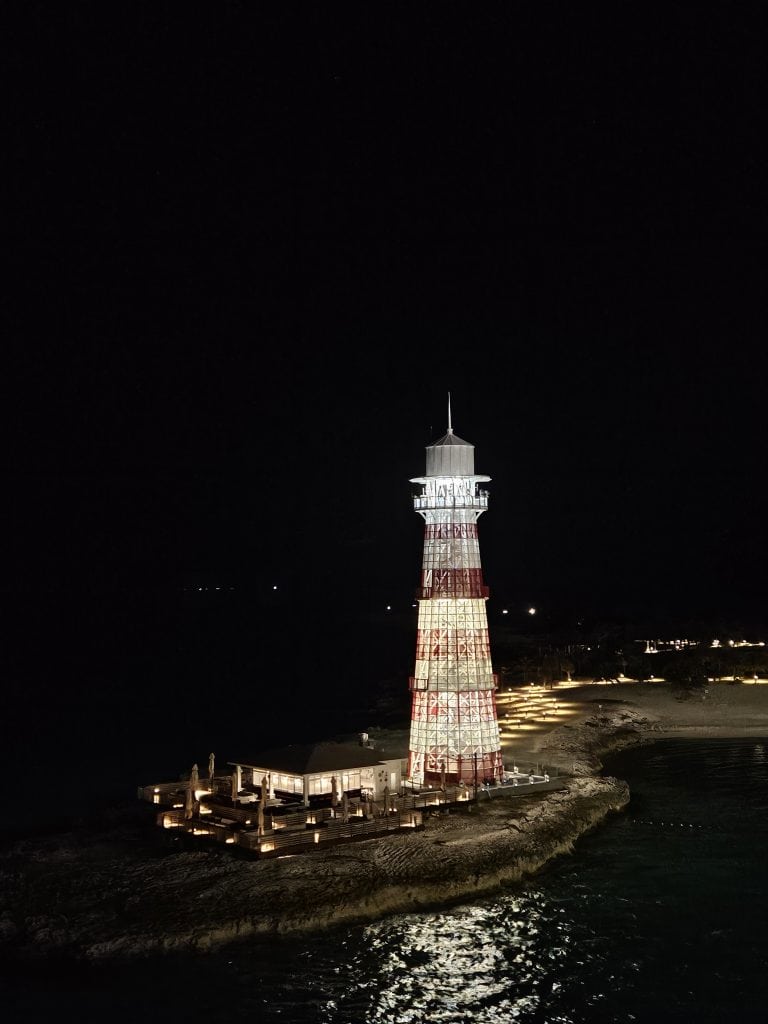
<point x="527" y="713"/>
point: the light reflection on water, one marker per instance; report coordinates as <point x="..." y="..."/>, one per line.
<point x="459" y="965"/>
<point x="520" y="957"/>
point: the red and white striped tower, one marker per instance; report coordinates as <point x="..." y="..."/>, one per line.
<point x="454" y="726"/>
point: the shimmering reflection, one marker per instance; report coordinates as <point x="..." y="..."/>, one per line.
<point x="518" y="957"/>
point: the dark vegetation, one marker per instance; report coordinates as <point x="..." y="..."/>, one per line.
<point x="610" y="650"/>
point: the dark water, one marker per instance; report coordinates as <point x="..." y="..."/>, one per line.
<point x="661" y="914"/>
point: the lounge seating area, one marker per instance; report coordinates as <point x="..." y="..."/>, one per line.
<point x="274" y="831"/>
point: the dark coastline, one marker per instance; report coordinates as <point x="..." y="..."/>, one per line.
<point x="62" y="861"/>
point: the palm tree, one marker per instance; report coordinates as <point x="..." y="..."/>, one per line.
<point x="527" y="667"/>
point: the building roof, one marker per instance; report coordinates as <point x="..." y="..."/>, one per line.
<point x="307" y="758"/>
<point x="450" y="456"/>
<point x="450" y="438"/>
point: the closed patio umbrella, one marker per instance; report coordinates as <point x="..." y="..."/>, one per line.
<point x="334" y="792"/>
<point x="189" y="804"/>
<point x="260" y="816"/>
<point x="344" y="808"/>
<point x="189" y="800"/>
<point x="211" y="763"/>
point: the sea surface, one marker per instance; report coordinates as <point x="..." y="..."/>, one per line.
<point x="660" y="914"/>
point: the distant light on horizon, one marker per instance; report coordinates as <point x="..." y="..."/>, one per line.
<point x="505" y="611"/>
<point x="531" y="611"/>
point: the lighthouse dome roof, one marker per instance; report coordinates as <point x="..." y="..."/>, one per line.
<point x="450" y="438"/>
<point x="450" y="456"/>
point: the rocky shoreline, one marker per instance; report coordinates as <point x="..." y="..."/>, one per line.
<point x="99" y="898"/>
<point x="124" y="894"/>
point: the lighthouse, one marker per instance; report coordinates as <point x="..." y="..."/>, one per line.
<point x="454" y="726"/>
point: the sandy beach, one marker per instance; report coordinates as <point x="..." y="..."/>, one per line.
<point x="655" y="710"/>
<point x="122" y="893"/>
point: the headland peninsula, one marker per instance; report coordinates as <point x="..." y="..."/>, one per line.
<point x="121" y="892"/>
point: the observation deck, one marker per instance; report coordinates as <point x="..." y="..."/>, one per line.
<point x="425" y="502"/>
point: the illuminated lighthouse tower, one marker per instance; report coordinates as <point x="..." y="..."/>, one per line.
<point x="454" y="728"/>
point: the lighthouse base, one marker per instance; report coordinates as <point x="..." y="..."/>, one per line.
<point x="426" y="770"/>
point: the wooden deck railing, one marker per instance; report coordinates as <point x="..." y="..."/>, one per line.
<point x="311" y="828"/>
<point x="280" y="842"/>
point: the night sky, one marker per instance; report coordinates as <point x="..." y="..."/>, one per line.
<point x="254" y="248"/>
